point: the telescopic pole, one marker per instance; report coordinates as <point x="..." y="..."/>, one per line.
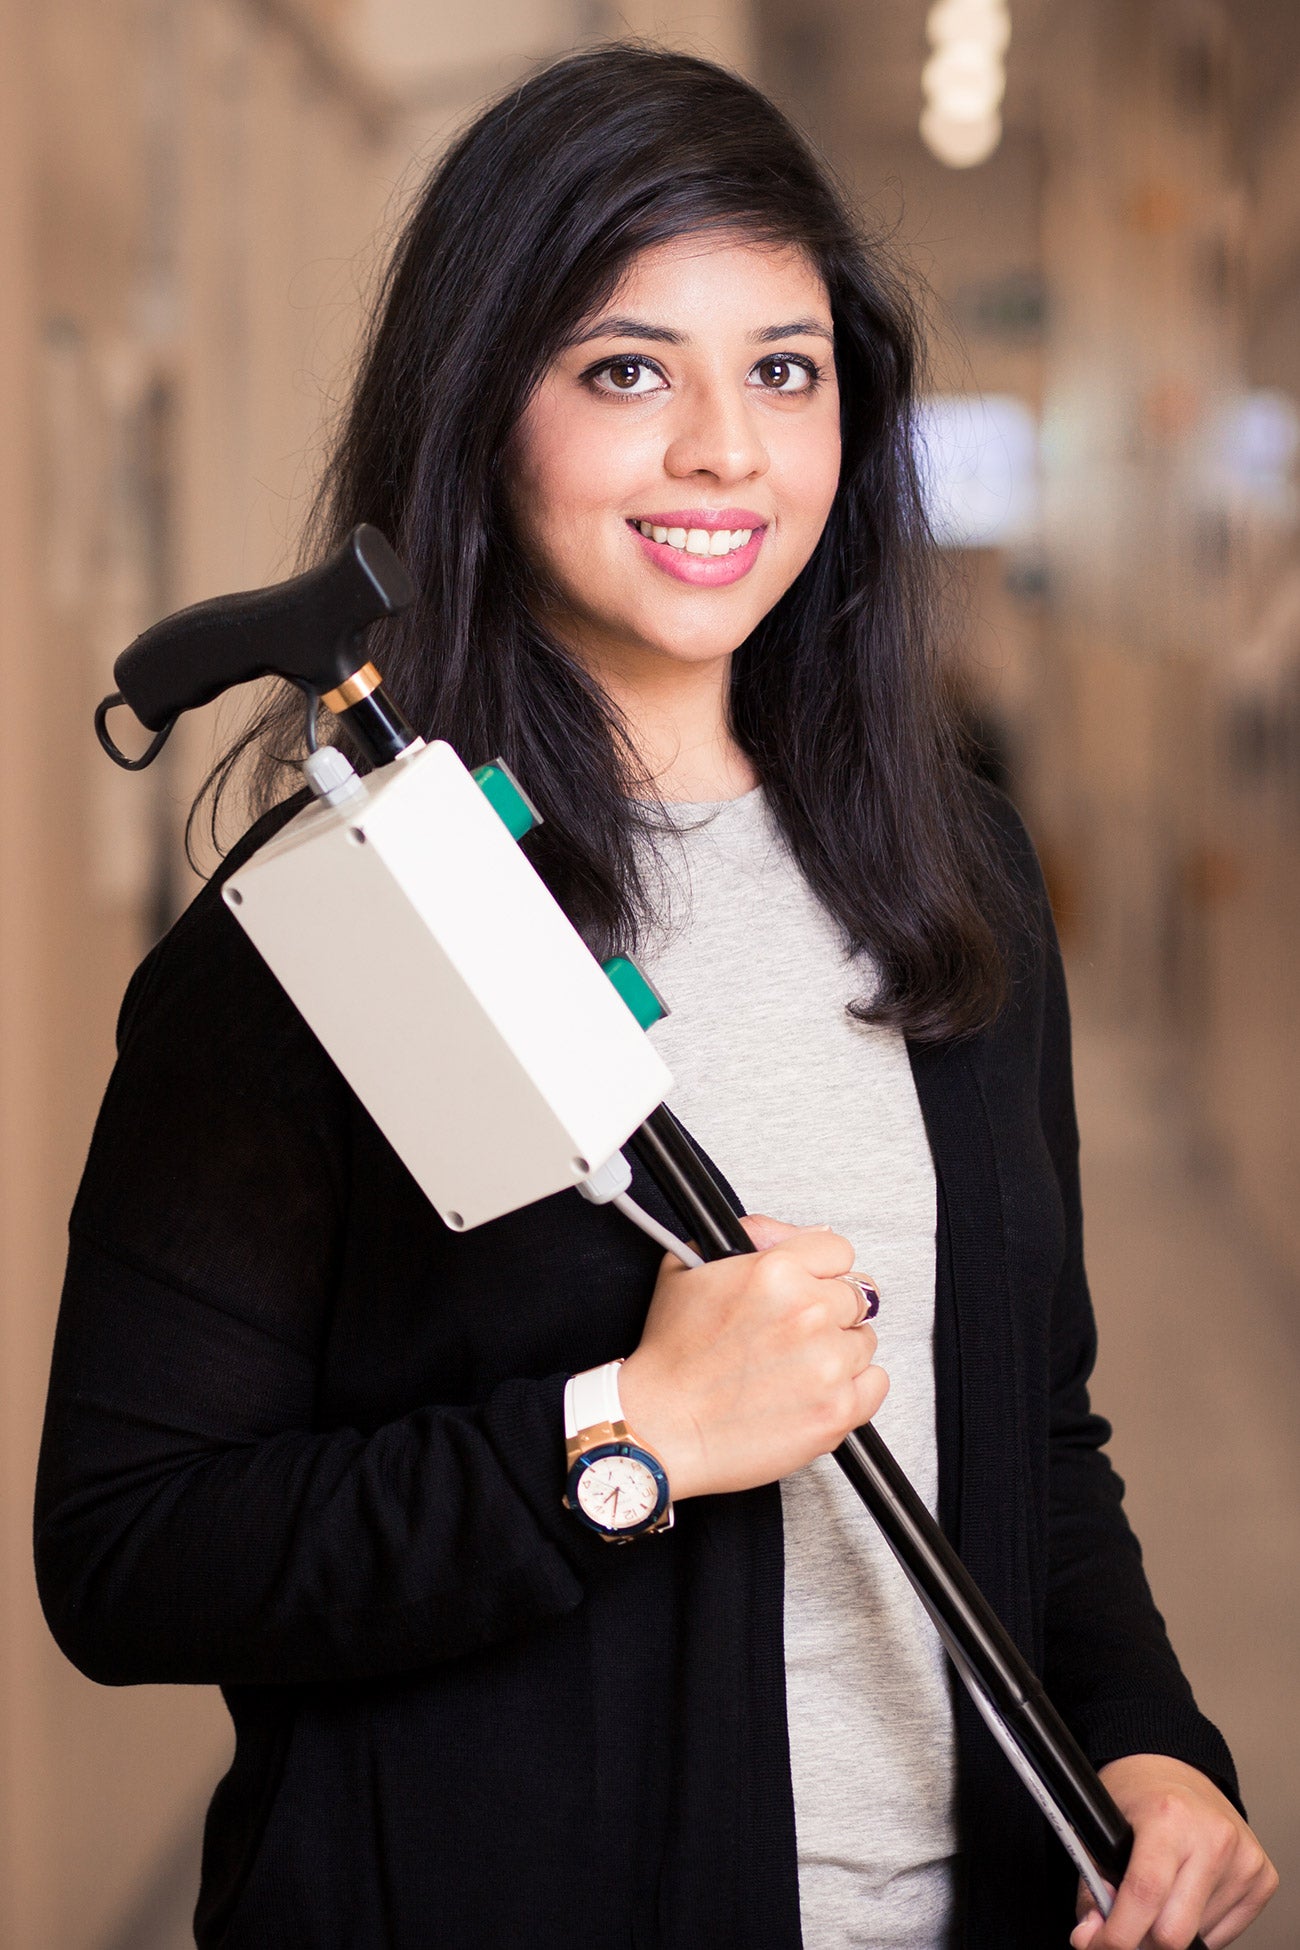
<point x="1004" y="1687"/>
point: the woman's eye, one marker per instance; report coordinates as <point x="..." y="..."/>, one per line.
<point x="627" y="376"/>
<point x="777" y="374"/>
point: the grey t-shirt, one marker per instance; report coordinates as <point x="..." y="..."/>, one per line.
<point x="814" y="1118"/>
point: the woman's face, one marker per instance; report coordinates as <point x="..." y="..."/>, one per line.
<point x="677" y="463"/>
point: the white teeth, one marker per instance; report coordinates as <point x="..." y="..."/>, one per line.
<point x="697" y="541"/>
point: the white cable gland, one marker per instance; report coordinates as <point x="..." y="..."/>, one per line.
<point x="330" y="776"/>
<point x="608" y="1180"/>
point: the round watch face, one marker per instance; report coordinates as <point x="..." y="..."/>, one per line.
<point x="617" y="1492"/>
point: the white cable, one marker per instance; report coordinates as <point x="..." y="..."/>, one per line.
<point x="608" y="1184"/>
<point x="660" y="1234"/>
<point x="1006" y="1739"/>
<point x="1073" y="1847"/>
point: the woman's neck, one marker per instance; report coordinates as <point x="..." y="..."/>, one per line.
<point x="677" y="720"/>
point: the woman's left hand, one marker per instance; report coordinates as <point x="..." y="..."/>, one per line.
<point x="1196" y="1866"/>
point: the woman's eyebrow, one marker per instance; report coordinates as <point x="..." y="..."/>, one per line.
<point x="628" y="328"/>
<point x="808" y="327"/>
<point x="638" y="328"/>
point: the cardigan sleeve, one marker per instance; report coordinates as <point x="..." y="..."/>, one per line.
<point x="1109" y="1665"/>
<point x="194" y="1521"/>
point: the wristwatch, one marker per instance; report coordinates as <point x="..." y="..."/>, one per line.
<point x="615" y="1485"/>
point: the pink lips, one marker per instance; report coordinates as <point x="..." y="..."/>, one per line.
<point x="710" y="518"/>
<point x="705" y="571"/>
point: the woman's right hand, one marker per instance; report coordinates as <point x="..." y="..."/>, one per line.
<point x="750" y="1366"/>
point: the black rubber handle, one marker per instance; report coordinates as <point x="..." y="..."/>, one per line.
<point x="306" y="629"/>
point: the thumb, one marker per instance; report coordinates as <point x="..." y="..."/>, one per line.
<point x="769" y="1232"/>
<point x="1090" y="1919"/>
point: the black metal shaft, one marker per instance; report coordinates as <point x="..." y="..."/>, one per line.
<point x="961" y="1613"/>
<point x="378" y="727"/>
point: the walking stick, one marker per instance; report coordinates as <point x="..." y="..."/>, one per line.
<point x="1004" y="1687"/>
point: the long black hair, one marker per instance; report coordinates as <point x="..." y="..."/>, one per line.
<point x="520" y="235"/>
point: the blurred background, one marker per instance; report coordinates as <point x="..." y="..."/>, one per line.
<point x="1102" y="198"/>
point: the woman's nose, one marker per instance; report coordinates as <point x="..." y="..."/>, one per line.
<point x="716" y="434"/>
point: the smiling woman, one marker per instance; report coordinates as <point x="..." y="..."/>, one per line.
<point x="673" y="395"/>
<point x="633" y="275"/>
<point x="637" y="408"/>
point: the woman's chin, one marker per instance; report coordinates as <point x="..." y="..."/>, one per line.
<point x="700" y="627"/>
<point x="698" y="647"/>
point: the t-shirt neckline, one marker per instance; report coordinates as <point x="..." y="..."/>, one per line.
<point x="674" y="806"/>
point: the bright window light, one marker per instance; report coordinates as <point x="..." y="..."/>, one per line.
<point x="978" y="459"/>
<point x="1248" y="453"/>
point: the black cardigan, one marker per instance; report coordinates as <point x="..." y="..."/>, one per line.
<point x="304" y="1442"/>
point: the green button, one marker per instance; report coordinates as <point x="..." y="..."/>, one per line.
<point x="640" y="995"/>
<point x="507" y="798"/>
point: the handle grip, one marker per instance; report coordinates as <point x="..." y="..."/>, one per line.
<point x="305" y="629"/>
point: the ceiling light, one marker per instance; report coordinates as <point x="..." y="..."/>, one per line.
<point x="960" y="144"/>
<point x="963" y="81"/>
<point x="985" y="21"/>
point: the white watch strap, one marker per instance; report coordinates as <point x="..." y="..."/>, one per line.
<point x="591" y="1398"/>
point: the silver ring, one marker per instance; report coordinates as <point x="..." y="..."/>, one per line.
<point x="869" y="1293"/>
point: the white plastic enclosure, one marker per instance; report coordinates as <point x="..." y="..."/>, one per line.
<point x="450" y="988"/>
